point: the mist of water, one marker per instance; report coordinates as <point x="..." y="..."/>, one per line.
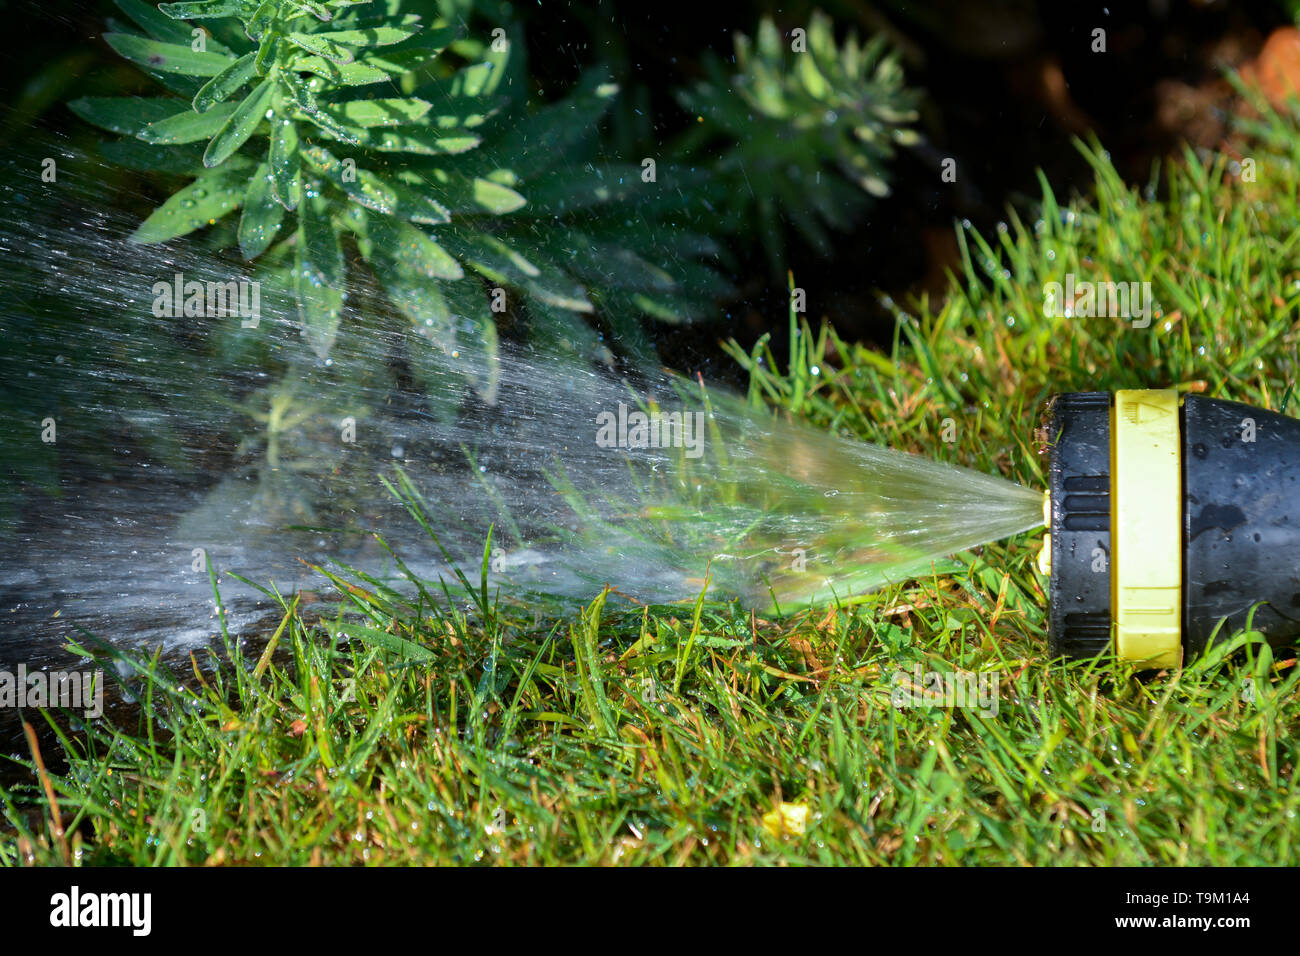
<point x="588" y="475"/>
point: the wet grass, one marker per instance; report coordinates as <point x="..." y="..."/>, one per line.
<point x="464" y="726"/>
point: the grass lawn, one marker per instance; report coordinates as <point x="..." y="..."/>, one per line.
<point x="467" y="731"/>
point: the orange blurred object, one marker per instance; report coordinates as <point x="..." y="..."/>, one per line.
<point x="1277" y="68"/>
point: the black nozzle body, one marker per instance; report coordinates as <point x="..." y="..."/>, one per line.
<point x="1241" y="520"/>
<point x="1240" y="527"/>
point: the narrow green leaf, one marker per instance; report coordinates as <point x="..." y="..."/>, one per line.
<point x="378" y="112"/>
<point x="319" y="10"/>
<point x="417" y="298"/>
<point x="301" y="93"/>
<point x="167" y="57"/>
<point x="471" y="81"/>
<point x="372" y="192"/>
<point x="323" y="120"/>
<point x="226" y="83"/>
<point x="811" y="77"/>
<point x="374" y="68"/>
<point x="420" y="142"/>
<point x="457" y="115"/>
<point x="305" y="101"/>
<point x="124" y="114"/>
<point x="154" y="23"/>
<point x="374" y="36"/>
<point x="260" y="223"/>
<point x="268" y="53"/>
<point x="318" y="274"/>
<point x="204" y="9"/>
<point x="406" y="650"/>
<point x="199" y="204"/>
<point x="465" y="194"/>
<point x="286" y="178"/>
<point x="187" y="127"/>
<point x="413" y="249"/>
<point x="319" y="45"/>
<point x="262" y="18"/>
<point x="494" y="197"/>
<point x="240" y="126"/>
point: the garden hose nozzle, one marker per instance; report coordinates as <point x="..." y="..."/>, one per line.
<point x="1168" y="517"/>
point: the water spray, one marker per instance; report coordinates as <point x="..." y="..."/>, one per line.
<point x="1171" y="519"/>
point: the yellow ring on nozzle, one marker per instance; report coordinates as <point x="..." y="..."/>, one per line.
<point x="1045" y="555"/>
<point x="1145" y="530"/>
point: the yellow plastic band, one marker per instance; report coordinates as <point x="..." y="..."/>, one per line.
<point x="1045" y="555"/>
<point x="1145" y="531"/>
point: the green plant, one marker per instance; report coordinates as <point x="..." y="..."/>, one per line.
<point x="805" y="128"/>
<point x="286" y="109"/>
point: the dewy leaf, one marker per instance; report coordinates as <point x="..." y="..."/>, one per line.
<point x="261" y="18"/>
<point x="262" y="216"/>
<point x="268" y="53"/>
<point x="187" y="127"/>
<point x="421" y="142"/>
<point x="379" y="112"/>
<point x="317" y="10"/>
<point x="332" y="126"/>
<point x="199" y="204"/>
<point x="124" y="114"/>
<point x="202" y="9"/>
<point x="240" y="126"/>
<point x="318" y="274"/>
<point x="374" y="36"/>
<point x="300" y="91"/>
<point x="321" y="46"/>
<point x="412" y="249"/>
<point x="226" y="83"/>
<point x="167" y="57"/>
<point x="367" y="189"/>
<point x="286" y="178"/>
<point x="305" y="100"/>
<point x="374" y="68"/>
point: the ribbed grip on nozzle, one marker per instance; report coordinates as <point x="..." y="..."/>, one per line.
<point x="1241" y="521"/>
<point x="1079" y="615"/>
